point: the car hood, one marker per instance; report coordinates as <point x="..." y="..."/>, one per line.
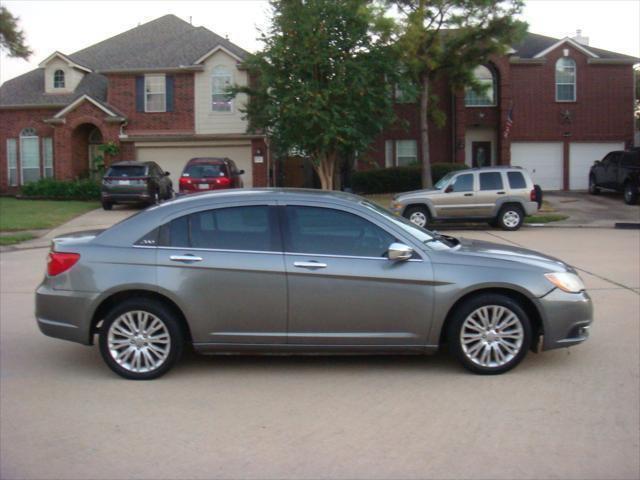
<point x="416" y="193"/>
<point x="479" y="248"/>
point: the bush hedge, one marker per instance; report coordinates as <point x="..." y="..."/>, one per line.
<point x="398" y="179"/>
<point x="63" y="189"/>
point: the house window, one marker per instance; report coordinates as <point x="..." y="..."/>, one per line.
<point x="12" y="161"/>
<point x="29" y="155"/>
<point x="47" y="157"/>
<point x="565" y="80"/>
<point x="220" y="81"/>
<point x="155" y="93"/>
<point x="58" y="79"/>
<point x="406" y="152"/>
<point x="486" y="96"/>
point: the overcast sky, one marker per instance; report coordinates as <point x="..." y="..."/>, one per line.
<point x="68" y="26"/>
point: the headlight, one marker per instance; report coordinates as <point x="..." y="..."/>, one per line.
<point x="569" y="282"/>
<point x="396" y="206"/>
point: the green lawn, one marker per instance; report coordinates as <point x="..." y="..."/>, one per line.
<point x="15" y="238"/>
<point x="35" y="214"/>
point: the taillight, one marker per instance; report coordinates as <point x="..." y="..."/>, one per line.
<point x="223" y="181"/>
<point x="59" y="262"/>
<point x="533" y="196"/>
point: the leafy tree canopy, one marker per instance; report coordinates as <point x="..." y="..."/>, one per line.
<point x="11" y="36"/>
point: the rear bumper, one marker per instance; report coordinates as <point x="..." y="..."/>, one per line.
<point x="65" y="314"/>
<point x="530" y="208"/>
<point x="128" y="197"/>
<point x="567" y="318"/>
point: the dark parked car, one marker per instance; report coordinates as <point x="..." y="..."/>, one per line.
<point x="618" y="171"/>
<point x="301" y="271"/>
<point x="135" y="182"/>
<point x="201" y="174"/>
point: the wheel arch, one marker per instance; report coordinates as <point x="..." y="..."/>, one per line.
<point x="113" y="299"/>
<point x="419" y="204"/>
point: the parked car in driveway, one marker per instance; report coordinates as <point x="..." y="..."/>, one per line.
<point x="135" y="182"/>
<point x="301" y="271"/>
<point x="618" y="171"/>
<point x="210" y="174"/>
<point x="502" y="196"/>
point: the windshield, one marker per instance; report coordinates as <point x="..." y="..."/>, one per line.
<point x="203" y="170"/>
<point x="423" y="235"/>
<point x="444" y="180"/>
<point x="126" y="171"/>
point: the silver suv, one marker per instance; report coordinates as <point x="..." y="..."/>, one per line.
<point x="502" y="196"/>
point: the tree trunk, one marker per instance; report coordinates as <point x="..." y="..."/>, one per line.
<point x="427" y="181"/>
<point x="326" y="170"/>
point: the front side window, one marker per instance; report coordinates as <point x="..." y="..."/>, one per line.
<point x="234" y="228"/>
<point x="155" y="93"/>
<point x="565" y="80"/>
<point x="491" y="181"/>
<point x="29" y="155"/>
<point x="463" y="183"/>
<point x="406" y="152"/>
<point x="326" y="231"/>
<point x="12" y="163"/>
<point x="58" y="79"/>
<point x="220" y="81"/>
<point x="486" y="95"/>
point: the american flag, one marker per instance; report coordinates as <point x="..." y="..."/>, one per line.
<point x="509" y="123"/>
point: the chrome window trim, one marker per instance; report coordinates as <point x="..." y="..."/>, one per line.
<point x="329" y="255"/>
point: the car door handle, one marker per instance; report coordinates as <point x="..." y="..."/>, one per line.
<point x="185" y="258"/>
<point x="311" y="265"/>
<point x="468" y="194"/>
<point x="501" y="193"/>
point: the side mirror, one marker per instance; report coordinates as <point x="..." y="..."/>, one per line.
<point x="166" y="174"/>
<point x="399" y="252"/>
<point x="449" y="189"/>
<point x="240" y="172"/>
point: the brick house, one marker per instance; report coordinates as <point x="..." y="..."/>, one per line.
<point x="157" y="91"/>
<point x="569" y="104"/>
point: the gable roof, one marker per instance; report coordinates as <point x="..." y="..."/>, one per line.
<point x="165" y="43"/>
<point x="64" y="58"/>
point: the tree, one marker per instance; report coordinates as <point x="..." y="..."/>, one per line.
<point x="449" y="38"/>
<point x="320" y="87"/>
<point x="11" y="36"/>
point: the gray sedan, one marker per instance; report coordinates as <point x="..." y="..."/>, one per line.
<point x="299" y="271"/>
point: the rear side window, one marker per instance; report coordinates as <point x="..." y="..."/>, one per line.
<point x="333" y="232"/>
<point x="235" y="228"/>
<point x="516" y="180"/>
<point x="491" y="181"/>
<point x="463" y="183"/>
<point x="126" y="171"/>
<point x="205" y="170"/>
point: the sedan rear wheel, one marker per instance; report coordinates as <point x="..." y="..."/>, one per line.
<point x="141" y="339"/>
<point x="490" y="334"/>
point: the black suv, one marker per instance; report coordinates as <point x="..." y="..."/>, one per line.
<point x="618" y="171"/>
<point x="135" y="182"/>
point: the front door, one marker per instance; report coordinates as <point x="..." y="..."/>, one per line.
<point x="343" y="291"/>
<point x="226" y="266"/>
<point x="458" y="198"/>
<point x="480" y="154"/>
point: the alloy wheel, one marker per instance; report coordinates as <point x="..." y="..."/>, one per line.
<point x="418" y="218"/>
<point x="139" y="341"/>
<point x="511" y="219"/>
<point x="491" y="336"/>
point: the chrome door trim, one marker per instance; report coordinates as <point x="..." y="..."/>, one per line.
<point x="310" y="265"/>
<point x="185" y="258"/>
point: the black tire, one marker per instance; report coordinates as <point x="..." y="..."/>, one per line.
<point x="510" y="217"/>
<point x="630" y="193"/>
<point x="170" y="323"/>
<point x="457" y="320"/>
<point x="107" y="205"/>
<point x="593" y="188"/>
<point x="416" y="213"/>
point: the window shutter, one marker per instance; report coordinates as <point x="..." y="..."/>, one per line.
<point x="140" y="93"/>
<point x="169" y="82"/>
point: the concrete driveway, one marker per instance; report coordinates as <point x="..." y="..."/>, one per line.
<point x="603" y="210"/>
<point x="561" y="414"/>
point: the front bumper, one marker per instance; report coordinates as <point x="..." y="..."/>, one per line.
<point x="567" y="318"/>
<point x="65" y="314"/>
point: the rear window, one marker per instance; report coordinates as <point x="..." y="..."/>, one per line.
<point x="516" y="180"/>
<point x="205" y="170"/>
<point x="126" y="171"/>
<point x="491" y="181"/>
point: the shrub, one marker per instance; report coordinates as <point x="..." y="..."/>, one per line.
<point x="63" y="189"/>
<point x="398" y="179"/>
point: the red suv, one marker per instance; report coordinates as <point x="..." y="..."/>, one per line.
<point x="201" y="174"/>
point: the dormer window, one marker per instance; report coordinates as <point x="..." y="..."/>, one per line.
<point x="58" y="79"/>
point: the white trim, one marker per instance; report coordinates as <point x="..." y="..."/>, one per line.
<point x="571" y="42"/>
<point x="62" y="56"/>
<point x="214" y="50"/>
<point x="78" y="101"/>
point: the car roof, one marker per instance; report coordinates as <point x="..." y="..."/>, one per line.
<point x="496" y="168"/>
<point x="208" y="160"/>
<point x="129" y="163"/>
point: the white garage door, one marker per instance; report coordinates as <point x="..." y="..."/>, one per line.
<point x="582" y="156"/>
<point x="543" y="160"/>
<point x="173" y="159"/>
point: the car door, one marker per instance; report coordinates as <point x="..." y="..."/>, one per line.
<point x="343" y="292"/>
<point x="490" y="190"/>
<point x="458" y="198"/>
<point x="610" y="170"/>
<point x="225" y="265"/>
